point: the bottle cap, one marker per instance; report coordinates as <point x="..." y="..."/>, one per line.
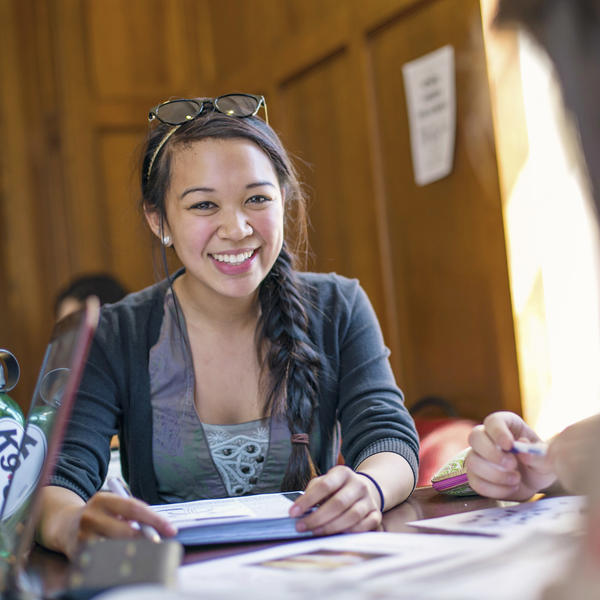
<point x="9" y="370"/>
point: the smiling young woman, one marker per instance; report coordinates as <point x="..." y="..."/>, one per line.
<point x="236" y="374"/>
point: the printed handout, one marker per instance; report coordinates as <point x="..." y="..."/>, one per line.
<point x="550" y="515"/>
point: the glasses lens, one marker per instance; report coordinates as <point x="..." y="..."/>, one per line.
<point x="178" y="111"/>
<point x="237" y="105"/>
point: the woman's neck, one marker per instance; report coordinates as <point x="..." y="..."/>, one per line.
<point x="201" y="308"/>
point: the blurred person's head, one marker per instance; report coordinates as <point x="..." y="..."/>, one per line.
<point x="71" y="298"/>
<point x="569" y="31"/>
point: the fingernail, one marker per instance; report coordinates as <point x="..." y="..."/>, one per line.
<point x="295" y="511"/>
<point x="300" y="526"/>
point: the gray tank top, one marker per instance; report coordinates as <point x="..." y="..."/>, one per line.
<point x="193" y="460"/>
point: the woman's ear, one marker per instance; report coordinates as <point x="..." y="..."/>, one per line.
<point x="157" y="223"/>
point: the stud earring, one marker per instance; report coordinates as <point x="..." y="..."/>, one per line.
<point x="166" y="240"/>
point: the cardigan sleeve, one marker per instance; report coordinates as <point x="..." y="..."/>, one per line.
<point x="82" y="462"/>
<point x="370" y="405"/>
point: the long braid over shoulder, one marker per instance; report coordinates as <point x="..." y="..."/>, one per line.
<point x="292" y="364"/>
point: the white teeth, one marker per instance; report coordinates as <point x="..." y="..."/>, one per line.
<point x="234" y="259"/>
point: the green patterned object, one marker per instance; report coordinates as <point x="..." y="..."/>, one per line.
<point x="452" y="478"/>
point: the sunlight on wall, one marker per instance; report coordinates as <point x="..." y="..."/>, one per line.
<point x="554" y="249"/>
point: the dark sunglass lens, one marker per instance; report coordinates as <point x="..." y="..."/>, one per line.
<point x="237" y="105"/>
<point x="178" y="111"/>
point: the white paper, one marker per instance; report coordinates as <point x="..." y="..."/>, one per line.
<point x="385" y="566"/>
<point x="551" y="515"/>
<point x="329" y="566"/>
<point x="427" y="566"/>
<point x="520" y="568"/>
<point x="260" y="506"/>
<point x="430" y="87"/>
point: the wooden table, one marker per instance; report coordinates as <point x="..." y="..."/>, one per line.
<point x="425" y="503"/>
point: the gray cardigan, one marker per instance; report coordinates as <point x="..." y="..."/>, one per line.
<point x="357" y="388"/>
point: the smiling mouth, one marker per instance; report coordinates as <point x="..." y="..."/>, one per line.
<point x="233" y="259"/>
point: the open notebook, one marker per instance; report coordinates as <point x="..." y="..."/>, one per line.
<point x="27" y="457"/>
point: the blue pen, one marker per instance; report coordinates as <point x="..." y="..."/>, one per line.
<point x="118" y="487"/>
<point x="535" y="448"/>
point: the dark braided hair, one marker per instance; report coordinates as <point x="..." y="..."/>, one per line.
<point x="289" y="360"/>
<point x="292" y="362"/>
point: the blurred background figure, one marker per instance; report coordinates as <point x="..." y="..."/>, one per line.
<point x="106" y="287"/>
<point x="569" y="31"/>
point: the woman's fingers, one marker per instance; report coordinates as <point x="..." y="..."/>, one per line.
<point x="360" y="516"/>
<point x="498" y="474"/>
<point x="344" y="501"/>
<point x="138" y="511"/>
<point x="488" y="450"/>
<point x="491" y="479"/>
<point x="318" y="490"/>
<point x="108" y="515"/>
<point x="491" y="490"/>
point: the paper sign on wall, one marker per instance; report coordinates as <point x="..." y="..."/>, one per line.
<point x="430" y="87"/>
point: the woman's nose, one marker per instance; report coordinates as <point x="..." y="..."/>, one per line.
<point x="234" y="226"/>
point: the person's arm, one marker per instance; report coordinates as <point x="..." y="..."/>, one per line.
<point x="65" y="520"/>
<point x="569" y="451"/>
<point x="393" y="474"/>
<point x="378" y="435"/>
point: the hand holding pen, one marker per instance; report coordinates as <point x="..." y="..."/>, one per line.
<point x="118" y="487"/>
<point x="507" y="459"/>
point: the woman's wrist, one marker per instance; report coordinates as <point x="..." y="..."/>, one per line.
<point x="377" y="488"/>
<point x="58" y="523"/>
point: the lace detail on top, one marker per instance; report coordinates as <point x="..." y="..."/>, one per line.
<point x="238" y="452"/>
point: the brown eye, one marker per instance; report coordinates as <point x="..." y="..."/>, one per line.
<point x="258" y="199"/>
<point x="205" y="205"/>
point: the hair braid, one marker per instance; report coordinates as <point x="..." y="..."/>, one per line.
<point x="291" y="362"/>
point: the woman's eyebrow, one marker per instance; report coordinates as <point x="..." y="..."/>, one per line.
<point x="195" y="189"/>
<point x="259" y="184"/>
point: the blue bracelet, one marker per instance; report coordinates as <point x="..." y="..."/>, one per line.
<point x="376" y="485"/>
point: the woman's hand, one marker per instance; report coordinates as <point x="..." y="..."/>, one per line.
<point x="343" y="500"/>
<point x="495" y="473"/>
<point x="111" y="516"/>
<point x="66" y="520"/>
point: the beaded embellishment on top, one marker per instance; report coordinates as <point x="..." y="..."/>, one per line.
<point x="239" y="452"/>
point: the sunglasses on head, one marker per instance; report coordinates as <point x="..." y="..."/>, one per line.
<point x="180" y="111"/>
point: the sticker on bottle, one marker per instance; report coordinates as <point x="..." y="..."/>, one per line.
<point x="23" y="468"/>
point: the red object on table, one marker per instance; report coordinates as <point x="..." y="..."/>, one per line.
<point x="441" y="439"/>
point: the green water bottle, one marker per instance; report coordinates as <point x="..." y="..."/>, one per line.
<point x="12" y="423"/>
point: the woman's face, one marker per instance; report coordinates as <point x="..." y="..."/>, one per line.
<point x="224" y="213"/>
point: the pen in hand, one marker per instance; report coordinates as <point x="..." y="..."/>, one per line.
<point x="535" y="448"/>
<point x="118" y="487"/>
